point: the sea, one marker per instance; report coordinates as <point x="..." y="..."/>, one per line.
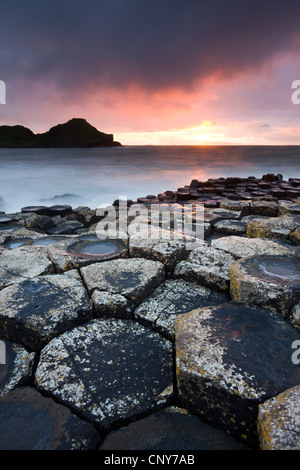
<point x="96" y="177"/>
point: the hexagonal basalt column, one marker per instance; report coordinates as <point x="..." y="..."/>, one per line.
<point x="169" y="429"/>
<point x="279" y="421"/>
<point x="24" y="262"/>
<point x="240" y="247"/>
<point x="78" y="251"/>
<point x="107" y="370"/>
<point x="32" y="312"/>
<point x="207" y="266"/>
<point x="29" y="421"/>
<point x="133" y="278"/>
<point x="230" y="358"/>
<point x="267" y="280"/>
<point x="172" y="298"/>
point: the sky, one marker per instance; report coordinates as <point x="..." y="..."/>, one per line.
<point x="159" y="72"/>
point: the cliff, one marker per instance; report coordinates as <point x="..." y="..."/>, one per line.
<point x="74" y="133"/>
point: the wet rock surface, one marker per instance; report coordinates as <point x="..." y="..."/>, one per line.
<point x="34" y="311"/>
<point x="139" y="343"/>
<point x="230" y="358"/>
<point x="135" y="278"/>
<point x="16" y="366"/>
<point x="30" y="421"/>
<point x="107" y="370"/>
<point x="169" y="429"/>
<point x="267" y="280"/>
<point x="207" y="266"/>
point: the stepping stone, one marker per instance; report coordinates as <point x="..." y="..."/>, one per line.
<point x="266" y="208"/>
<point x="65" y="227"/>
<point x="169" y="429"/>
<point x="78" y="251"/>
<point x="230" y="227"/>
<point x="279" y="421"/>
<point x="214" y="215"/>
<point x="61" y="210"/>
<point x="33" y="311"/>
<point x="133" y="278"/>
<point x="287" y="207"/>
<point x="5" y="219"/>
<point x="173" y="298"/>
<point x="207" y="266"/>
<point x="107" y="370"/>
<point x="229" y="359"/>
<point x="274" y="227"/>
<point x="39" y="210"/>
<point x="22" y="263"/>
<point x="240" y="247"/>
<point x="16" y="366"/>
<point x="242" y="206"/>
<point x="267" y="280"/>
<point x="29" y="421"/>
<point x="163" y="246"/>
<point x="39" y="222"/>
<point x="107" y="304"/>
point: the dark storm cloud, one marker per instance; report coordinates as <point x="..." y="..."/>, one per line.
<point x="153" y="43"/>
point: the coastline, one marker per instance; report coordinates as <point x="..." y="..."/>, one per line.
<point x="238" y="287"/>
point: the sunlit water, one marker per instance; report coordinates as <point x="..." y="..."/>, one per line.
<point x="95" y="177"/>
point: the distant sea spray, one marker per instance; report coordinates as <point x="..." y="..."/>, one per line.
<point x="100" y="176"/>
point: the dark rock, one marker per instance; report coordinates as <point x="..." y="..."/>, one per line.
<point x="29" y="421"/>
<point x="108" y="370"/>
<point x="16" y="366"/>
<point x="33" y="311"/>
<point x="134" y="278"/>
<point x="65" y="227"/>
<point x="74" y="133"/>
<point x="39" y="210"/>
<point x="265" y="208"/>
<point x="230" y="227"/>
<point x="229" y="359"/>
<point x="5" y="219"/>
<point x="173" y="298"/>
<point x="61" y="210"/>
<point x="169" y="429"/>
<point x="39" y="222"/>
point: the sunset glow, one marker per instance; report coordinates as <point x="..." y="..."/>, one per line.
<point x="164" y="82"/>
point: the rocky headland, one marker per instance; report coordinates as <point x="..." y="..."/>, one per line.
<point x="140" y="343"/>
<point x="77" y="132"/>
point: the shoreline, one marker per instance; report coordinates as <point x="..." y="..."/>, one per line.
<point x="199" y="327"/>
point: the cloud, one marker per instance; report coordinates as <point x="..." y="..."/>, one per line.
<point x="155" y="45"/>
